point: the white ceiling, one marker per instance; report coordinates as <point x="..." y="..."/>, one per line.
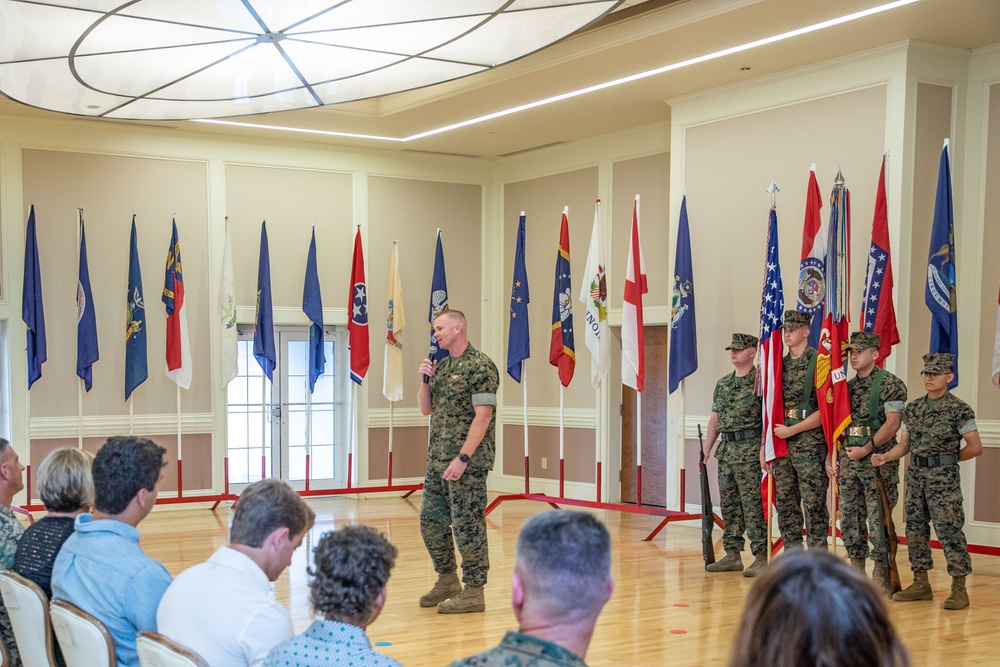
<point x="641" y="36"/>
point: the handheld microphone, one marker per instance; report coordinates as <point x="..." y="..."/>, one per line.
<point x="430" y="358"/>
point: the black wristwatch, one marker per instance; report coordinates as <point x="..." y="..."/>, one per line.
<point x="464" y="458"/>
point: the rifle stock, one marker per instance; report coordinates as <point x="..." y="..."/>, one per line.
<point x="707" y="511"/>
<point x="891" y="541"/>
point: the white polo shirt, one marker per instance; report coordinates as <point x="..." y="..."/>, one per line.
<point x="224" y="609"/>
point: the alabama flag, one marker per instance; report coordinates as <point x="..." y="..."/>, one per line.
<point x="633" y="355"/>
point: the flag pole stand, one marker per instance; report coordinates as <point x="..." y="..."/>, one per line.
<point x="524" y="411"/>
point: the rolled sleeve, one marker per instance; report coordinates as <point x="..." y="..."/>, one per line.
<point x="484" y="399"/>
<point x="894" y="406"/>
<point x="968" y="427"/>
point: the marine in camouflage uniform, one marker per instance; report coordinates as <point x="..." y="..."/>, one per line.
<point x="454" y="493"/>
<point x="737" y="419"/>
<point x="10" y="534"/>
<point x="800" y="479"/>
<point x="520" y="650"/>
<point x="933" y="429"/>
<point x="860" y="500"/>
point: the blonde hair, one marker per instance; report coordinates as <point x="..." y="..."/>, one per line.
<point x="65" y="483"/>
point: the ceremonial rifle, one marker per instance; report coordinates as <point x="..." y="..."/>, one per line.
<point x="707" y="512"/>
<point x="889" y="540"/>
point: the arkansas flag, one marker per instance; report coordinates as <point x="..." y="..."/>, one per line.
<point x="812" y="278"/>
<point x="357" y="327"/>
<point x="633" y="355"/>
<point x="179" y="365"/>
<point x="562" y="348"/>
<point x="878" y="314"/>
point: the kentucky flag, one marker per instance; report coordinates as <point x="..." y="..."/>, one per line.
<point x="683" y="330"/>
<point x="939" y="294"/>
<point x="86" y="319"/>
<point x="439" y="298"/>
<point x="518" y="339"/>
<point x="136" y="370"/>
<point x="263" y="328"/>
<point x="562" y="350"/>
<point x="32" y="311"/>
<point x="312" y="306"/>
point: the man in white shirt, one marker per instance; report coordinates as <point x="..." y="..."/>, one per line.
<point x="224" y="609"/>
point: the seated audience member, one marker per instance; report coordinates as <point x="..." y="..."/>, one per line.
<point x="224" y="609"/>
<point x="67" y="490"/>
<point x="11" y="482"/>
<point x="811" y="608"/>
<point x="101" y="568"/>
<point x="562" y="579"/>
<point x="350" y="569"/>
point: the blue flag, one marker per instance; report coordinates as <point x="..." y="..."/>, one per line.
<point x="683" y="358"/>
<point x="439" y="298"/>
<point x="86" y="319"/>
<point x="562" y="346"/>
<point x="518" y="340"/>
<point x="32" y="311"/>
<point x="312" y="306"/>
<point x="136" y="371"/>
<point x="263" y="328"/>
<point x="939" y="294"/>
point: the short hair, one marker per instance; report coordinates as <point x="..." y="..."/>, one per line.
<point x="4" y="444"/>
<point x="456" y="316"/>
<point x="350" y="569"/>
<point x="811" y="608"/>
<point x="65" y="483"/>
<point x="123" y="466"/>
<point x="564" y="559"/>
<point x="266" y="506"/>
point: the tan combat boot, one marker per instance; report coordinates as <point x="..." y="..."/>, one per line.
<point x="758" y="564"/>
<point x="731" y="563"/>
<point x="879" y="577"/>
<point x="959" y="598"/>
<point x="447" y="586"/>
<point x="920" y="589"/>
<point x="858" y="563"/>
<point x="468" y="601"/>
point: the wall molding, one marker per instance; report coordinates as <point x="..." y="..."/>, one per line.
<point x="43" y="428"/>
<point x="573" y="417"/>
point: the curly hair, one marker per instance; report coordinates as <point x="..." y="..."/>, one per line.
<point x="811" y="608"/>
<point x="122" y="466"/>
<point x="351" y="567"/>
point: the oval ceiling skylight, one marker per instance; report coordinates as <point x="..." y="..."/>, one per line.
<point x="177" y="59"/>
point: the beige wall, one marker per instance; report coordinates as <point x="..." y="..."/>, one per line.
<point x="990" y="407"/>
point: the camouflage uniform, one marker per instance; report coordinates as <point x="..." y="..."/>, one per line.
<point x="800" y="478"/>
<point x="520" y="650"/>
<point x="933" y="488"/>
<point x="10" y="533"/>
<point x="740" y="423"/>
<point x="859" y="497"/>
<point x="459" y="384"/>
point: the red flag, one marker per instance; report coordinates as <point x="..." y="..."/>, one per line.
<point x="562" y="349"/>
<point x="633" y="355"/>
<point x="179" y="366"/>
<point x="811" y="287"/>
<point x="831" y="361"/>
<point x="878" y="312"/>
<point x="357" y="327"/>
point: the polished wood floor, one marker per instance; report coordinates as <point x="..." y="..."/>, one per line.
<point x="665" y="610"/>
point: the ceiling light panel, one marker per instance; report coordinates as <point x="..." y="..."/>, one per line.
<point x="175" y="59"/>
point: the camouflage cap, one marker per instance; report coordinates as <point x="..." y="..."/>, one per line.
<point x="939" y="362"/>
<point x="743" y="341"/>
<point x="796" y="320"/>
<point x="864" y="341"/>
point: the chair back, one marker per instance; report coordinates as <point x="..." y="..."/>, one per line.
<point x="84" y="640"/>
<point x="155" y="650"/>
<point x="28" y="609"/>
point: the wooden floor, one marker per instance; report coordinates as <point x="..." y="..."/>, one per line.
<point x="665" y="609"/>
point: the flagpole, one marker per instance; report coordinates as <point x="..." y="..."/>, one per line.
<point x="79" y="382"/>
<point x="524" y="410"/>
<point x="309" y="436"/>
<point x="638" y="449"/>
<point x="180" y="476"/>
<point x="389" y="461"/>
<point x="131" y="430"/>
<point x="562" y="439"/>
<point x="597" y="435"/>
<point x="770" y="501"/>
<point x="264" y="407"/>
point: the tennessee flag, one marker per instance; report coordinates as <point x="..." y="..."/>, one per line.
<point x="179" y="365"/>
<point x="357" y="327"/>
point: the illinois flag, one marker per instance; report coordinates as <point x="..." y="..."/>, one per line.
<point x="86" y="318"/>
<point x="562" y="349"/>
<point x="633" y="341"/>
<point x="395" y="320"/>
<point x="357" y="327"/>
<point x="594" y="295"/>
<point x="227" y="313"/>
<point x="878" y="314"/>
<point x="179" y="365"/>
<point x="136" y="370"/>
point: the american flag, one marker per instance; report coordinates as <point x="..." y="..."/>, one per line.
<point x="772" y="308"/>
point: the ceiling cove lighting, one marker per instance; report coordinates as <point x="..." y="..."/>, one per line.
<point x="583" y="91"/>
<point x="183" y="59"/>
